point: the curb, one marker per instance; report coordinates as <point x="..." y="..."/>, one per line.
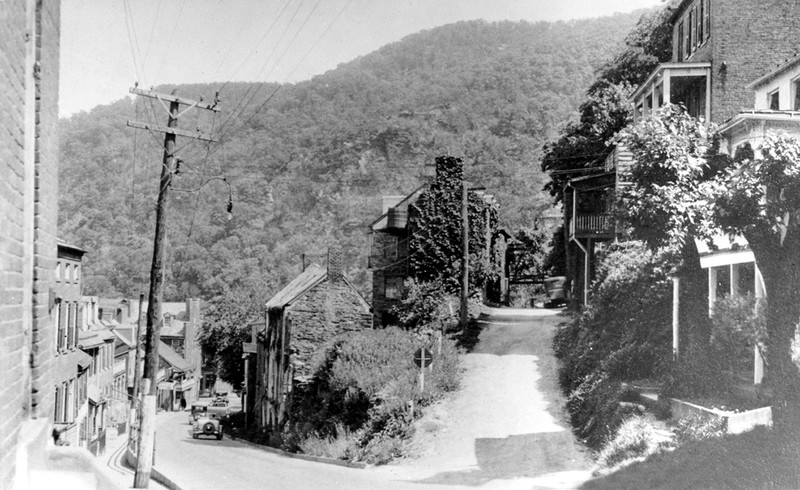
<point x="305" y="457"/>
<point x="155" y="475"/>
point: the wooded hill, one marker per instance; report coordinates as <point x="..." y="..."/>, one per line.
<point x="308" y="163"/>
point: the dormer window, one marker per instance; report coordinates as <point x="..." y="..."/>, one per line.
<point x="796" y="94"/>
<point x="773" y="101"/>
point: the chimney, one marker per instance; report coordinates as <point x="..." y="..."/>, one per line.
<point x="335" y="264"/>
<point x="390" y="202"/>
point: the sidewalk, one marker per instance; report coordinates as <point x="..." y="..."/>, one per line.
<point x="113" y="462"/>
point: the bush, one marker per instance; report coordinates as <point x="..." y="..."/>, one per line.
<point x="357" y="403"/>
<point x="698" y="428"/>
<point x="623" y="335"/>
<point x="424" y="307"/>
<point x="738" y="325"/>
<point x="635" y="439"/>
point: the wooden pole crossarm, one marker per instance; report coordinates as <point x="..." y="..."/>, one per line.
<point x="174" y="98"/>
<point x="175" y="131"/>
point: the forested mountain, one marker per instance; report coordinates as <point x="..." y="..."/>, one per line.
<point x="308" y="163"/>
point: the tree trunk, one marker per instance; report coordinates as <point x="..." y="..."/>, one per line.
<point x="780" y="268"/>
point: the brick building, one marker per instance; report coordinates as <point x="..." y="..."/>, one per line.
<point x="719" y="48"/>
<point x="72" y="366"/>
<point x="302" y="319"/>
<point x="29" y="50"/>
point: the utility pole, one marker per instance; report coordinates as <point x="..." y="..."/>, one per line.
<point x="464" y="254"/>
<point x="148" y="386"/>
<point x="465" y="250"/>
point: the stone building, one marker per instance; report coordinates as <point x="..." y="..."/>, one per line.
<point x="305" y="316"/>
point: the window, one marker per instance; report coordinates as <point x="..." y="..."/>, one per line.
<point x="76" y="273"/>
<point x="700" y="21"/>
<point x="796" y="94"/>
<point x="390" y="247"/>
<point x="392" y="287"/>
<point x="70" y="326"/>
<point x="58" y="271"/>
<point x="692" y="30"/>
<point x="680" y="41"/>
<point x="61" y="340"/>
<point x="67" y="272"/>
<point x="773" y="101"/>
<point x="58" y="322"/>
<point x="706" y="15"/>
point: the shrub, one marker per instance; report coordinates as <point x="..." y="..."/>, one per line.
<point x="424" y="307"/>
<point x="362" y="386"/>
<point x="635" y="439"/>
<point x="698" y="428"/>
<point x="738" y="325"/>
<point x="623" y="335"/>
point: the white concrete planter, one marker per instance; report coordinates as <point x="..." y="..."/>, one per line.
<point x="735" y="422"/>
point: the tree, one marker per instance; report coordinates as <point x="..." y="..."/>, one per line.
<point x="584" y="144"/>
<point x="436" y="225"/>
<point x="226" y="324"/>
<point x="683" y="189"/>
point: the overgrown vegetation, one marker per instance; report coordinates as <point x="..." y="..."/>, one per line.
<point x="623" y="335"/>
<point x="358" y="405"/>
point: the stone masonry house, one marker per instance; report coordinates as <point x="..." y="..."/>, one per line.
<point x="312" y="310"/>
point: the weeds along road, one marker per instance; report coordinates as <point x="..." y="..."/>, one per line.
<point x="506" y="427"/>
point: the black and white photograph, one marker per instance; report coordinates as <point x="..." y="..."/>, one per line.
<point x="400" y="244"/>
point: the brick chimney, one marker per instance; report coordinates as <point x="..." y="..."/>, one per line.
<point x="335" y="266"/>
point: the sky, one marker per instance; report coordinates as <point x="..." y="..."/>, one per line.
<point x="107" y="45"/>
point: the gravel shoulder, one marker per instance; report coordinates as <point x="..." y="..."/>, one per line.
<point x="506" y="427"/>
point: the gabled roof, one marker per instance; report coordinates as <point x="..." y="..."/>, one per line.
<point x="125" y="335"/>
<point x="173" y="358"/>
<point x="309" y="278"/>
<point x="786" y="66"/>
<point x="88" y="339"/>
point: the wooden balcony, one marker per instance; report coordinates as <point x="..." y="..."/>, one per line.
<point x="592" y="226"/>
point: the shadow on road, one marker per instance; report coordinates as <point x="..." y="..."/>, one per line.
<point x="516" y="456"/>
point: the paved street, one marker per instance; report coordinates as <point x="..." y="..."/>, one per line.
<point x="504" y="429"/>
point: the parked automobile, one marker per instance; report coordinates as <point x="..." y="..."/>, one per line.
<point x="199" y="409"/>
<point x="207" y="425"/>
<point x="556" y="294"/>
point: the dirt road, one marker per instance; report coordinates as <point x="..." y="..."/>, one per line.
<point x="506" y="427"/>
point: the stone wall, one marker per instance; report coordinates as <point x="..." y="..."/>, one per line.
<point x="29" y="42"/>
<point x="385" y="263"/>
<point x="323" y="313"/>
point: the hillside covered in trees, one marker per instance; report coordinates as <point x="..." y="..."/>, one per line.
<point x="305" y="164"/>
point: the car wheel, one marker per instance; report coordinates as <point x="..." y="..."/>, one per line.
<point x="194" y="436"/>
<point x="219" y="437"/>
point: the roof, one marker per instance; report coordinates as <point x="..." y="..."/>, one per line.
<point x="173" y="358"/>
<point x="409" y="199"/>
<point x="724" y="250"/>
<point x="759" y="115"/>
<point x="177" y="329"/>
<point x="678" y="10"/>
<point x="125" y="335"/>
<point x="93" y="338"/>
<point x="62" y="245"/>
<point x="84" y="360"/>
<point x="313" y="275"/>
<point x="786" y="66"/>
<point x="176" y="309"/>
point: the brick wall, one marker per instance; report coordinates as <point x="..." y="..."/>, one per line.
<point x="28" y="197"/>
<point x="751" y="37"/>
<point x="14" y="386"/>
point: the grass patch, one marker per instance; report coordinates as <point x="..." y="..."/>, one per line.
<point x="636" y="439"/>
<point x="762" y="458"/>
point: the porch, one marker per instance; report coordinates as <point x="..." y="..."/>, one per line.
<point x="675" y="83"/>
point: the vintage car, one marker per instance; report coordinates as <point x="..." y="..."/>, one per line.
<point x="208" y="425"/>
<point x="556" y="293"/>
